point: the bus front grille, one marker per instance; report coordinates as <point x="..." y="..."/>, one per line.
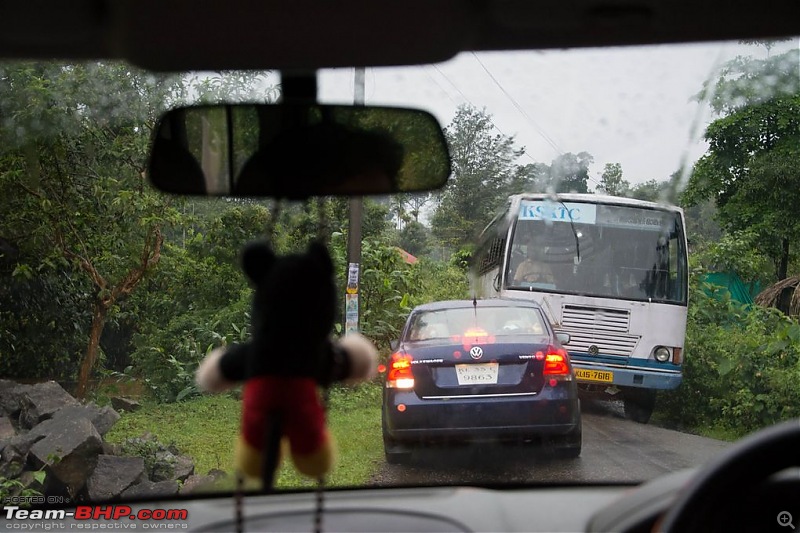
<point x="598" y="331"/>
<point x="592" y="319"/>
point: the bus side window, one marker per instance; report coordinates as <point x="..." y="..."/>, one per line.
<point x="491" y="255"/>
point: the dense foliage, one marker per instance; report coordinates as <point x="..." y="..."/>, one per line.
<point x="742" y="367"/>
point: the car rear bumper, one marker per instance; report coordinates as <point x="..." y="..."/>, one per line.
<point x="552" y="412"/>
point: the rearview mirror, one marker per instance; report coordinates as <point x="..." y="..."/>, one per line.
<point x="563" y="338"/>
<point x="295" y="151"/>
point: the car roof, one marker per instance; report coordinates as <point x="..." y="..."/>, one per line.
<point x="489" y="302"/>
<point x="311" y="34"/>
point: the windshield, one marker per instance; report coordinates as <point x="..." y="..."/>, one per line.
<point x="682" y="323"/>
<point x="599" y="250"/>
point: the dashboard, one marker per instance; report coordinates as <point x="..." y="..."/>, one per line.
<point x="544" y="508"/>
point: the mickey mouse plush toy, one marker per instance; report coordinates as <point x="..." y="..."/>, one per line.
<point x="290" y="355"/>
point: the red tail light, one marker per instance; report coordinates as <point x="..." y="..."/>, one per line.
<point x="556" y="364"/>
<point x="400" y="375"/>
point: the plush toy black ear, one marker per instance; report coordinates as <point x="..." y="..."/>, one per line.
<point x="257" y="260"/>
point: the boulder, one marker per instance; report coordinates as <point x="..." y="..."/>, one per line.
<point x="217" y="474"/>
<point x="69" y="450"/>
<point x="121" y="403"/>
<point x="163" y="467"/>
<point x="103" y="418"/>
<point x="7" y="431"/>
<point x="40" y="401"/>
<point x="113" y="475"/>
<point x="110" y="449"/>
<point x="15" y="454"/>
<point x="149" y="489"/>
<point x="10" y="392"/>
<point x="184" y="467"/>
<point x="12" y="465"/>
<point x="196" y="483"/>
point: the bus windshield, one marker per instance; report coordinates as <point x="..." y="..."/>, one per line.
<point x="608" y="251"/>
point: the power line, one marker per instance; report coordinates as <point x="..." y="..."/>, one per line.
<point x="495" y="126"/>
<point x="519" y="108"/>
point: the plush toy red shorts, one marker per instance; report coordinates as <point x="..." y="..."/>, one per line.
<point x="298" y="403"/>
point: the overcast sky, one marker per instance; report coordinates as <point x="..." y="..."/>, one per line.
<point x="633" y="106"/>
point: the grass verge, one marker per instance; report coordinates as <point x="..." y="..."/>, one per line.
<point x="206" y="429"/>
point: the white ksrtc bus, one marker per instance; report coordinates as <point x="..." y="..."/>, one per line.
<point x="611" y="272"/>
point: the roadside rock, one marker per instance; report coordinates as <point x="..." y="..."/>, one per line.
<point x="10" y="392"/>
<point x="163" y="466"/>
<point x="103" y="418"/>
<point x="112" y="475"/>
<point x="217" y="474"/>
<point x="21" y="443"/>
<point x="7" y="430"/>
<point x="40" y="401"/>
<point x="184" y="467"/>
<point x="121" y="403"/>
<point x="50" y="442"/>
<point x="69" y="450"/>
<point x="169" y="465"/>
<point x="149" y="489"/>
<point x="195" y="483"/>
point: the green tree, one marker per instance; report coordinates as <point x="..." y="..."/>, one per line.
<point x="570" y="172"/>
<point x="611" y="181"/>
<point x="749" y="170"/>
<point x="414" y="238"/>
<point x="73" y="166"/>
<point x="95" y="212"/>
<point x="701" y="223"/>
<point x="483" y="165"/>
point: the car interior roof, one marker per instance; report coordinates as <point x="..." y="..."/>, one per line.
<point x="310" y="34"/>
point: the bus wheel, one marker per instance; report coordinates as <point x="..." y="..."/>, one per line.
<point x="639" y="404"/>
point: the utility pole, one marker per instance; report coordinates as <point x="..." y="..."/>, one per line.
<point x="354" y="234"/>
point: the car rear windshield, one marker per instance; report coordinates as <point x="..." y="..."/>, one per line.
<point x="445" y="324"/>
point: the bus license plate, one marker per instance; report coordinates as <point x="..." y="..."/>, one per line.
<point x="599" y="376"/>
<point x="482" y="374"/>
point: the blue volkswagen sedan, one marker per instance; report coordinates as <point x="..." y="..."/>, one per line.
<point x="470" y="370"/>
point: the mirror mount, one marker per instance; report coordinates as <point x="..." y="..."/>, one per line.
<point x="298" y="86"/>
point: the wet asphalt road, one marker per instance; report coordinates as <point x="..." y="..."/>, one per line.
<point x="614" y="449"/>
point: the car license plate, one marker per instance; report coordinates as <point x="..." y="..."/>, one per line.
<point x="601" y="376"/>
<point x="479" y="374"/>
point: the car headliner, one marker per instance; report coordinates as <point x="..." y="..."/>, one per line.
<point x="311" y="34"/>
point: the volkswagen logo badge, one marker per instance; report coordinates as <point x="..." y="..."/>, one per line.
<point x="476" y="352"/>
<point x="594" y="350"/>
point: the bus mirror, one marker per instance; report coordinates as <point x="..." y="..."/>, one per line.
<point x="563" y="338"/>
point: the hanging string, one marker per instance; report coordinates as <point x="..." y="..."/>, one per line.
<point x="320" y="508"/>
<point x="239" y="503"/>
<point x="320" y="492"/>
